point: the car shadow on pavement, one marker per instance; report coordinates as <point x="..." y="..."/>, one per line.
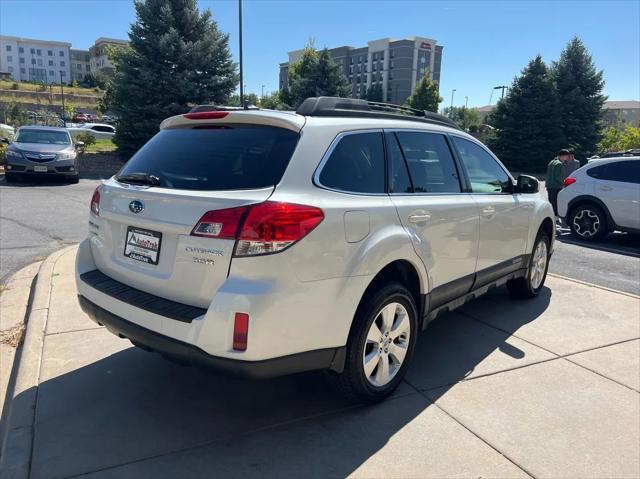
<point x="616" y="242"/>
<point x="153" y="418"/>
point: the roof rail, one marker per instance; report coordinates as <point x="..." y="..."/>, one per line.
<point x="352" y="107"/>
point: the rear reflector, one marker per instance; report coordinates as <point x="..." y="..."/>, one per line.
<point x="240" y="332"/>
<point x="95" y="202"/>
<point x="262" y="228"/>
<point x="569" y="181"/>
<point x="206" y="115"/>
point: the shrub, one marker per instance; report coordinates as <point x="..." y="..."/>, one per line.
<point x="15" y="86"/>
<point x="87" y="138"/>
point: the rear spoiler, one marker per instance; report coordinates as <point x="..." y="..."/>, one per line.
<point x="218" y="116"/>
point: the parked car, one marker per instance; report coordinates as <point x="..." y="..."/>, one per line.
<point x="41" y="150"/>
<point x="80" y="118"/>
<point x="264" y="243"/>
<point x="99" y="131"/>
<point x="602" y="196"/>
<point x="6" y="132"/>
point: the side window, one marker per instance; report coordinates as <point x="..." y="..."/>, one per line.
<point x="430" y="162"/>
<point x="624" y="171"/>
<point x="356" y="164"/>
<point x="485" y="174"/>
<point x="399" y="181"/>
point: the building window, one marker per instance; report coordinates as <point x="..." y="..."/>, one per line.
<point x="50" y="63"/>
<point x="375" y="56"/>
<point x="360" y="59"/>
<point x="39" y="62"/>
<point x="365" y="68"/>
<point x="391" y="54"/>
<point x="61" y="53"/>
<point x="21" y="60"/>
<point x="20" y="50"/>
<point x="352" y="60"/>
<point x="391" y="64"/>
<point x="63" y="73"/>
<point x="39" y="52"/>
<point x="10" y="69"/>
<point x="33" y="61"/>
<point x="51" y="73"/>
<point x="62" y="63"/>
<point x="8" y="47"/>
<point x="373" y="68"/>
<point x="78" y="66"/>
<point x="390" y="75"/>
<point x="33" y="51"/>
<point x="22" y="70"/>
<point x="9" y="58"/>
<point x="88" y="68"/>
<point x="381" y="56"/>
<point x="351" y="69"/>
<point x="50" y="53"/>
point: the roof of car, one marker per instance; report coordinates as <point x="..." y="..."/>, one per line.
<point x="37" y="127"/>
<point x="86" y="125"/>
<point x="602" y="161"/>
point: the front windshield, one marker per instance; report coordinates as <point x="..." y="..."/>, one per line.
<point x="51" y="137"/>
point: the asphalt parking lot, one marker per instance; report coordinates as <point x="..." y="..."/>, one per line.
<point x="37" y="217"/>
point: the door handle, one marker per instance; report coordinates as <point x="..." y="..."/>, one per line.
<point x="419" y="218"/>
<point x="488" y="210"/>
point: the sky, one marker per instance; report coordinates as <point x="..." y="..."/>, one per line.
<point x="485" y="43"/>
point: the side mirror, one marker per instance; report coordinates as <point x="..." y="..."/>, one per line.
<point x="527" y="184"/>
<point x="5" y="140"/>
<point x="79" y="144"/>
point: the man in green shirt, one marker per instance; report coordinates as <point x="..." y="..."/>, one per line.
<point x="557" y="171"/>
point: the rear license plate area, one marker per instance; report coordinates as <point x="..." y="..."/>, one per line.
<point x="142" y="245"/>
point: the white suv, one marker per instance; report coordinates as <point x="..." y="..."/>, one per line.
<point x="602" y="196"/>
<point x="265" y="243"/>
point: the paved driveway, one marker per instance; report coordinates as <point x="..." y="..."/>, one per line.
<point x="502" y="388"/>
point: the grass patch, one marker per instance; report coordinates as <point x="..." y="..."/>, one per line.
<point x="101" y="146"/>
<point x="26" y="86"/>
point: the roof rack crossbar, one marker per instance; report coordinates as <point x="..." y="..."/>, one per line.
<point x="351" y="107"/>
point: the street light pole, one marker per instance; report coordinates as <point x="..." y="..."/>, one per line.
<point x="242" y="105"/>
<point x="64" y="120"/>
<point x="262" y="94"/>
<point x="466" y="102"/>
<point x="451" y="106"/>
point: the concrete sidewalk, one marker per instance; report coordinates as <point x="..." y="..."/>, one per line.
<point x="502" y="388"/>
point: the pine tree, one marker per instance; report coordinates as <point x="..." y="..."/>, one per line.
<point x="425" y="95"/>
<point x="315" y="74"/>
<point x="528" y="121"/>
<point x="579" y="86"/>
<point x="177" y="58"/>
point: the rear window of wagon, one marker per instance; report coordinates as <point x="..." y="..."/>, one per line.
<point x="216" y="158"/>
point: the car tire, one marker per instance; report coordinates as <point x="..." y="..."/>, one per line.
<point x="588" y="222"/>
<point x="390" y="315"/>
<point x="11" y="177"/>
<point x="532" y="283"/>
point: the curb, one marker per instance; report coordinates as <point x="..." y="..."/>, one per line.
<point x="16" y="445"/>
<point x="597" y="286"/>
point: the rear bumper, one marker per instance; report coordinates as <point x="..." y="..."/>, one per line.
<point x="330" y="358"/>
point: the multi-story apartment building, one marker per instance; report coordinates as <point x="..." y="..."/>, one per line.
<point x="80" y="64"/>
<point x="395" y="65"/>
<point x="46" y="61"/>
<point x="27" y="59"/>
<point x="99" y="53"/>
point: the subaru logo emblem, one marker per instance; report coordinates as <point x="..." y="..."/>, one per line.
<point x="136" y="206"/>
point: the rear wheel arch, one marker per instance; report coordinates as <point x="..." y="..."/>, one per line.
<point x="398" y="271"/>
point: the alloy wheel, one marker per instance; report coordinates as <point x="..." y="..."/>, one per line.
<point x="586" y="223"/>
<point x="387" y="344"/>
<point x="538" y="265"/>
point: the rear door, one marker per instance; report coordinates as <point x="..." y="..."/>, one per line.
<point x="440" y="218"/>
<point x="143" y="234"/>
<point x="618" y="186"/>
<point x="504" y="216"/>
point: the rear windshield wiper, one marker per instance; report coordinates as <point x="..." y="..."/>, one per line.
<point x="139" y="179"/>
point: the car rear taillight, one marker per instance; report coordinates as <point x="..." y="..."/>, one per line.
<point x="95" y="202"/>
<point x="221" y="224"/>
<point x="263" y="228"/>
<point x="569" y="181"/>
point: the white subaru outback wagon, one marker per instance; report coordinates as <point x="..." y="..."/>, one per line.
<point x="264" y="243"/>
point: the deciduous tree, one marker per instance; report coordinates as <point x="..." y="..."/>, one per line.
<point x="425" y="96"/>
